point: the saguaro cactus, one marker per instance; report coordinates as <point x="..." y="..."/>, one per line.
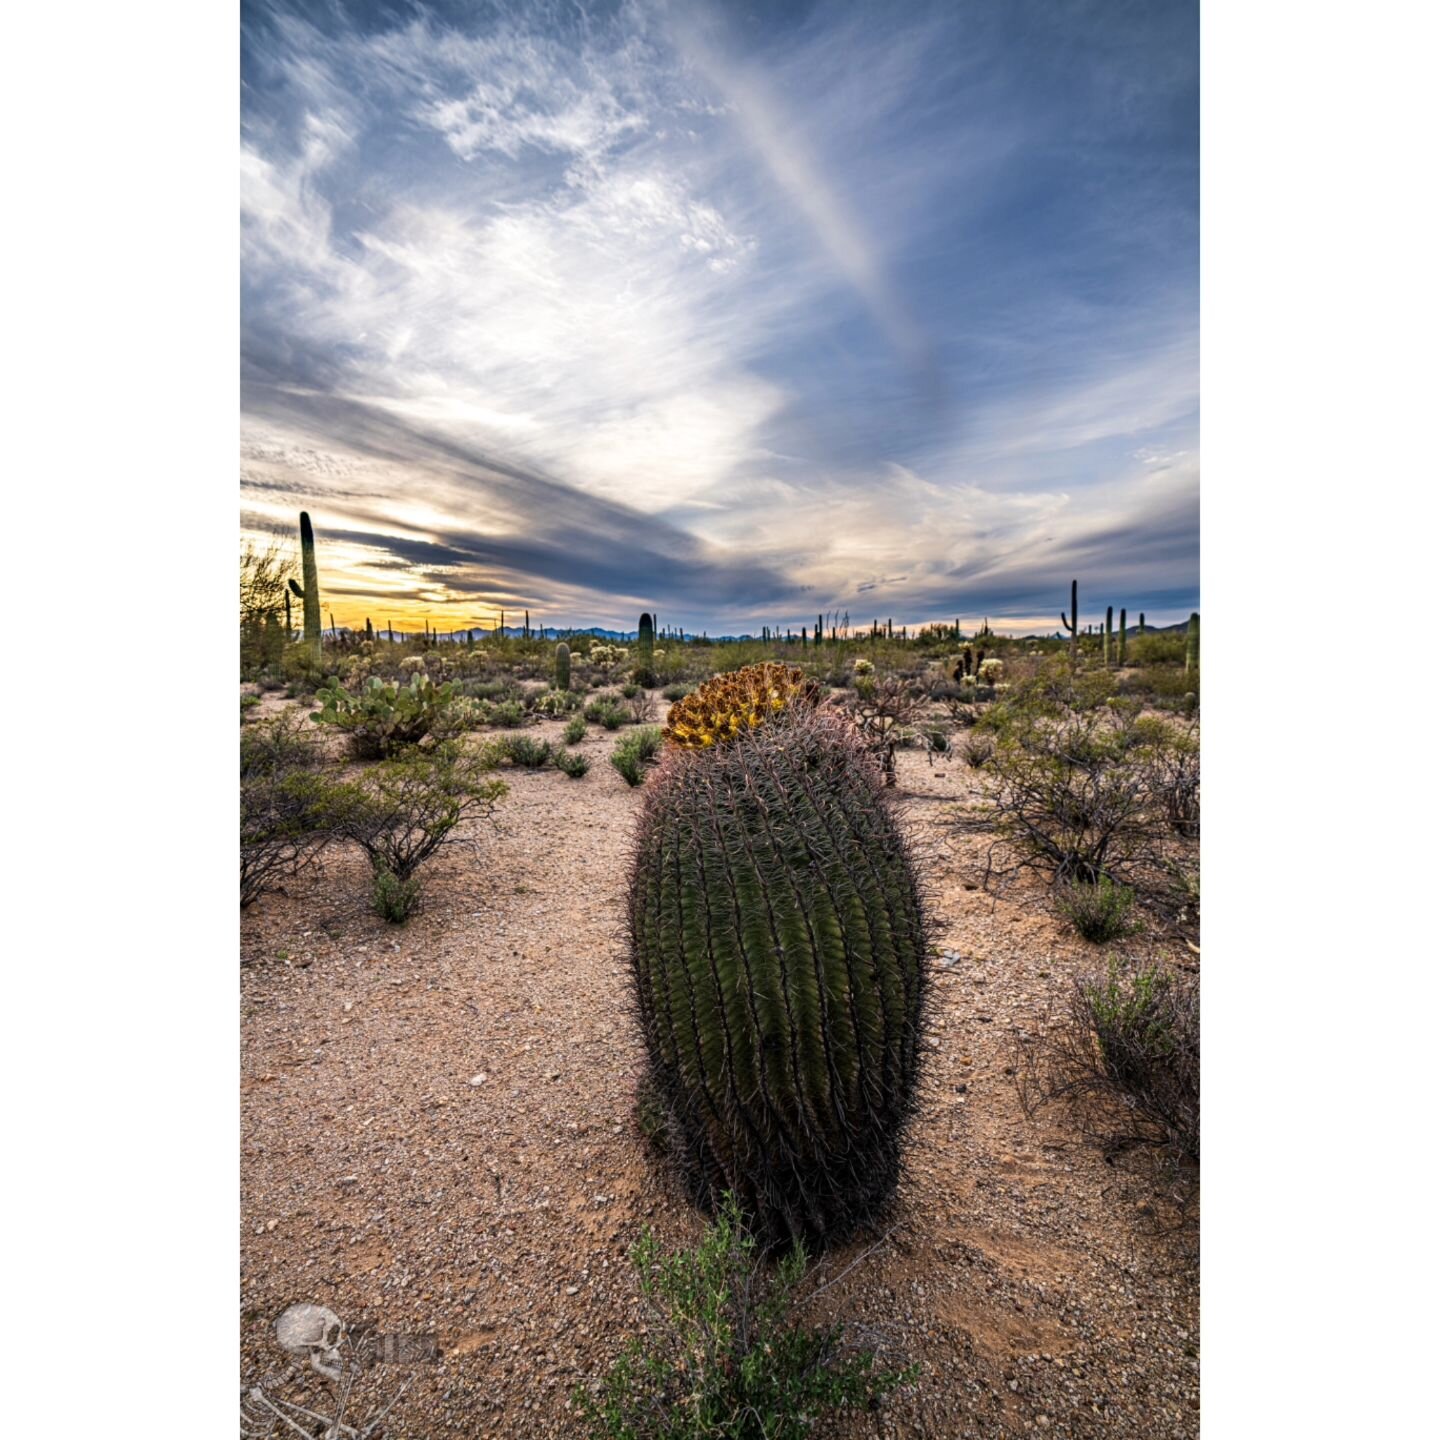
<point x="1073" y="623"/>
<point x="310" y="595"/>
<point x="562" y="666"/>
<point x="819" y="629"/>
<point x="777" y="949"/>
<point x="1192" y="644"/>
<point x="1109" y="632"/>
<point x="1122" y="638"/>
<point x="646" y="642"/>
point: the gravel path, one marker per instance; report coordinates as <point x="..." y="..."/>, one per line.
<point x="437" y="1141"/>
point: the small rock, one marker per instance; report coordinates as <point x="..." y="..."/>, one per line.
<point x="479" y="1079"/>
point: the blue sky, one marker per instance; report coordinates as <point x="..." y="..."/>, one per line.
<point x="734" y="312"/>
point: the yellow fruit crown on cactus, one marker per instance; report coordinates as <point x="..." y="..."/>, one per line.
<point x="728" y="706"/>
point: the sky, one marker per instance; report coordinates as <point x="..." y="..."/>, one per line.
<point x="735" y="313"/>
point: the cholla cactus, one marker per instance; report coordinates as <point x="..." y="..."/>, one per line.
<point x="730" y="705"/>
<point x="991" y="671"/>
<point x="864" y="666"/>
<point x="413" y="664"/>
<point x="605" y="656"/>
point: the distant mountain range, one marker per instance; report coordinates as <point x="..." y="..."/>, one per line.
<point x="630" y="637"/>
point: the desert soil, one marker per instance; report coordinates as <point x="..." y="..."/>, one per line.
<point x="438" y="1141"/>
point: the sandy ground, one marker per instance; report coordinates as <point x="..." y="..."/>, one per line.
<point x="438" y="1141"/>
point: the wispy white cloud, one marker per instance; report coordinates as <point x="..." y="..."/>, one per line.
<point x="643" y="265"/>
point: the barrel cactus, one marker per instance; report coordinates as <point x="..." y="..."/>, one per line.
<point x="777" y="948"/>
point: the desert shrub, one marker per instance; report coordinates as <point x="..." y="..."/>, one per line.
<point x="1146" y="1023"/>
<point x="629" y="690"/>
<point x="1152" y="648"/>
<point x="1071" y="795"/>
<point x="302" y="672"/>
<point x="277" y="745"/>
<point x="1100" y="912"/>
<point x="247" y="704"/>
<point x="641" y="706"/>
<point x="394" y="899"/>
<point x="571" y="763"/>
<point x="383" y="717"/>
<point x="285" y="820"/>
<point x="606" y="710"/>
<point x="491" y="690"/>
<point x="978" y="750"/>
<point x="883" y="711"/>
<point x="644" y="677"/>
<point x="677" y="691"/>
<point x="523" y="751"/>
<point x="1173" y="758"/>
<point x="636" y="750"/>
<point x="508" y="714"/>
<point x="574" y="732"/>
<point x="405" y="809"/>
<point x="1126" y="1055"/>
<point x="725" y="1358"/>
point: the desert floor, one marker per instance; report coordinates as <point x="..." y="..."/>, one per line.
<point x="438" y="1140"/>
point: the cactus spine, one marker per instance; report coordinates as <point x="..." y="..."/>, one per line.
<point x="311" y="593"/>
<point x="1192" y="645"/>
<point x="777" y="948"/>
<point x="562" y="666"/>
<point x="1073" y="623"/>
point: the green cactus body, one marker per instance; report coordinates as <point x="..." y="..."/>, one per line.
<point x="311" y="593"/>
<point x="647" y="642"/>
<point x="1073" y="623"/>
<point x="819" y="629"/>
<point x="1109" y="634"/>
<point x="562" y="666"/>
<point x="1140" y="629"/>
<point x="1192" y="645"/>
<point x="778" y="954"/>
<point x="1122" y="638"/>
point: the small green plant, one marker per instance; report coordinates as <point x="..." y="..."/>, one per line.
<point x="978" y="750"/>
<point x="630" y="689"/>
<point x="726" y="1360"/>
<point x="508" y="714"/>
<point x="571" y="763"/>
<point x="394" y="899"/>
<point x="574" y="732"/>
<point x="1100" y="912"/>
<point x="676" y="691"/>
<point x="405" y="809"/>
<point x="607" y="711"/>
<point x="521" y="750"/>
<point x="635" y="751"/>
